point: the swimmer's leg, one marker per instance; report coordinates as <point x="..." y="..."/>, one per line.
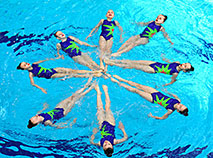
<point x="109" y="116"/>
<point x="68" y="70"/>
<point x="144" y="68"/>
<point x="91" y="64"/>
<point x="102" y="44"/>
<point x="108" y="51"/>
<point x="138" y="41"/>
<point x="130" y="40"/>
<point x="100" y="110"/>
<point x="143" y="94"/>
<point x="137" y="85"/>
<point x="69" y="103"/>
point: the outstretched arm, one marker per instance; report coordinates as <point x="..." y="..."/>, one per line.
<point x="165" y="34"/>
<point x="81" y="42"/>
<point x="174" y="76"/>
<point x="166" y="115"/>
<point x="120" y="29"/>
<point x="121" y="127"/>
<point x="33" y="84"/>
<point x="143" y="23"/>
<point x="45" y="106"/>
<point x="95" y="29"/>
<point x="173" y="95"/>
<point x="94" y="131"/>
<point x="41" y="61"/>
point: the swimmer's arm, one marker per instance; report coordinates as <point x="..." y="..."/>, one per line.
<point x="94" y="131"/>
<point x="95" y="28"/>
<point x="173" y="95"/>
<point x="58" y="46"/>
<point x="174" y="76"/>
<point x="49" y="123"/>
<point x="165" y="34"/>
<point x="121" y="127"/>
<point x="45" y="106"/>
<point x="166" y="115"/>
<point x="33" y="84"/>
<point x="120" y="29"/>
<point x="81" y="42"/>
<point x="143" y="23"/>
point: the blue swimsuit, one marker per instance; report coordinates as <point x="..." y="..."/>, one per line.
<point x="108" y="29"/>
<point x="39" y="71"/>
<point x="150" y="30"/>
<point x="52" y="115"/>
<point x="70" y="47"/>
<point x="164" y="101"/>
<point x="107" y="133"/>
<point x="168" y="69"/>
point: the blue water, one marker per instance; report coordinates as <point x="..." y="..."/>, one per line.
<point x="26" y="34"/>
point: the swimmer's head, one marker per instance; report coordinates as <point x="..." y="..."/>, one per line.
<point x="108" y="148"/>
<point x="60" y="35"/>
<point x="184" y="112"/>
<point x="23" y="66"/>
<point x="186" y="67"/>
<point x="110" y="14"/>
<point x="33" y="121"/>
<point x="161" y="19"/>
<point x="182" y="109"/>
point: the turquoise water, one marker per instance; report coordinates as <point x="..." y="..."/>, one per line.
<point x="26" y="30"/>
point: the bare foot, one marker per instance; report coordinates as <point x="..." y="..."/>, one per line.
<point x="118" y="77"/>
<point x="97" y="88"/>
<point x="105" y="88"/>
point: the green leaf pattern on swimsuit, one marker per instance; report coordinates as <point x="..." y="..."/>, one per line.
<point x="52" y="113"/>
<point x="161" y="102"/>
<point x="73" y="46"/>
<point x="163" y="70"/>
<point x="110" y="29"/>
<point x="151" y="32"/>
<point x="105" y="133"/>
<point x="43" y="69"/>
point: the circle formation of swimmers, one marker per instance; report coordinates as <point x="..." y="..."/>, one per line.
<point x="105" y="117"/>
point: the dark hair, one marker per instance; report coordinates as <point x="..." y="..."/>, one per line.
<point x="108" y="152"/>
<point x="55" y="34"/>
<point x="19" y="67"/>
<point x="191" y="69"/>
<point x="165" y="18"/>
<point x="30" y="124"/>
<point x="185" y="112"/>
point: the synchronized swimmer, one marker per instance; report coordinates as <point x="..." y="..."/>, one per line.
<point x="172" y="68"/>
<point x="106" y="123"/>
<point x="106" y="36"/>
<point x="61" y="110"/>
<point x="36" y="70"/>
<point x="152" y="28"/>
<point x="106" y="120"/>
<point x="68" y="45"/>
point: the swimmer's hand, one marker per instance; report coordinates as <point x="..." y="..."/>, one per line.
<point x="73" y="122"/>
<point x="121" y="40"/>
<point x="121" y="126"/>
<point x="88" y="37"/>
<point x="43" y="90"/>
<point x="60" y="56"/>
<point x="94" y="131"/>
<point x="45" y="105"/>
<point x="150" y="115"/>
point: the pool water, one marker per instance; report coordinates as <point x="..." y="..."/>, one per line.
<point x="26" y="34"/>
